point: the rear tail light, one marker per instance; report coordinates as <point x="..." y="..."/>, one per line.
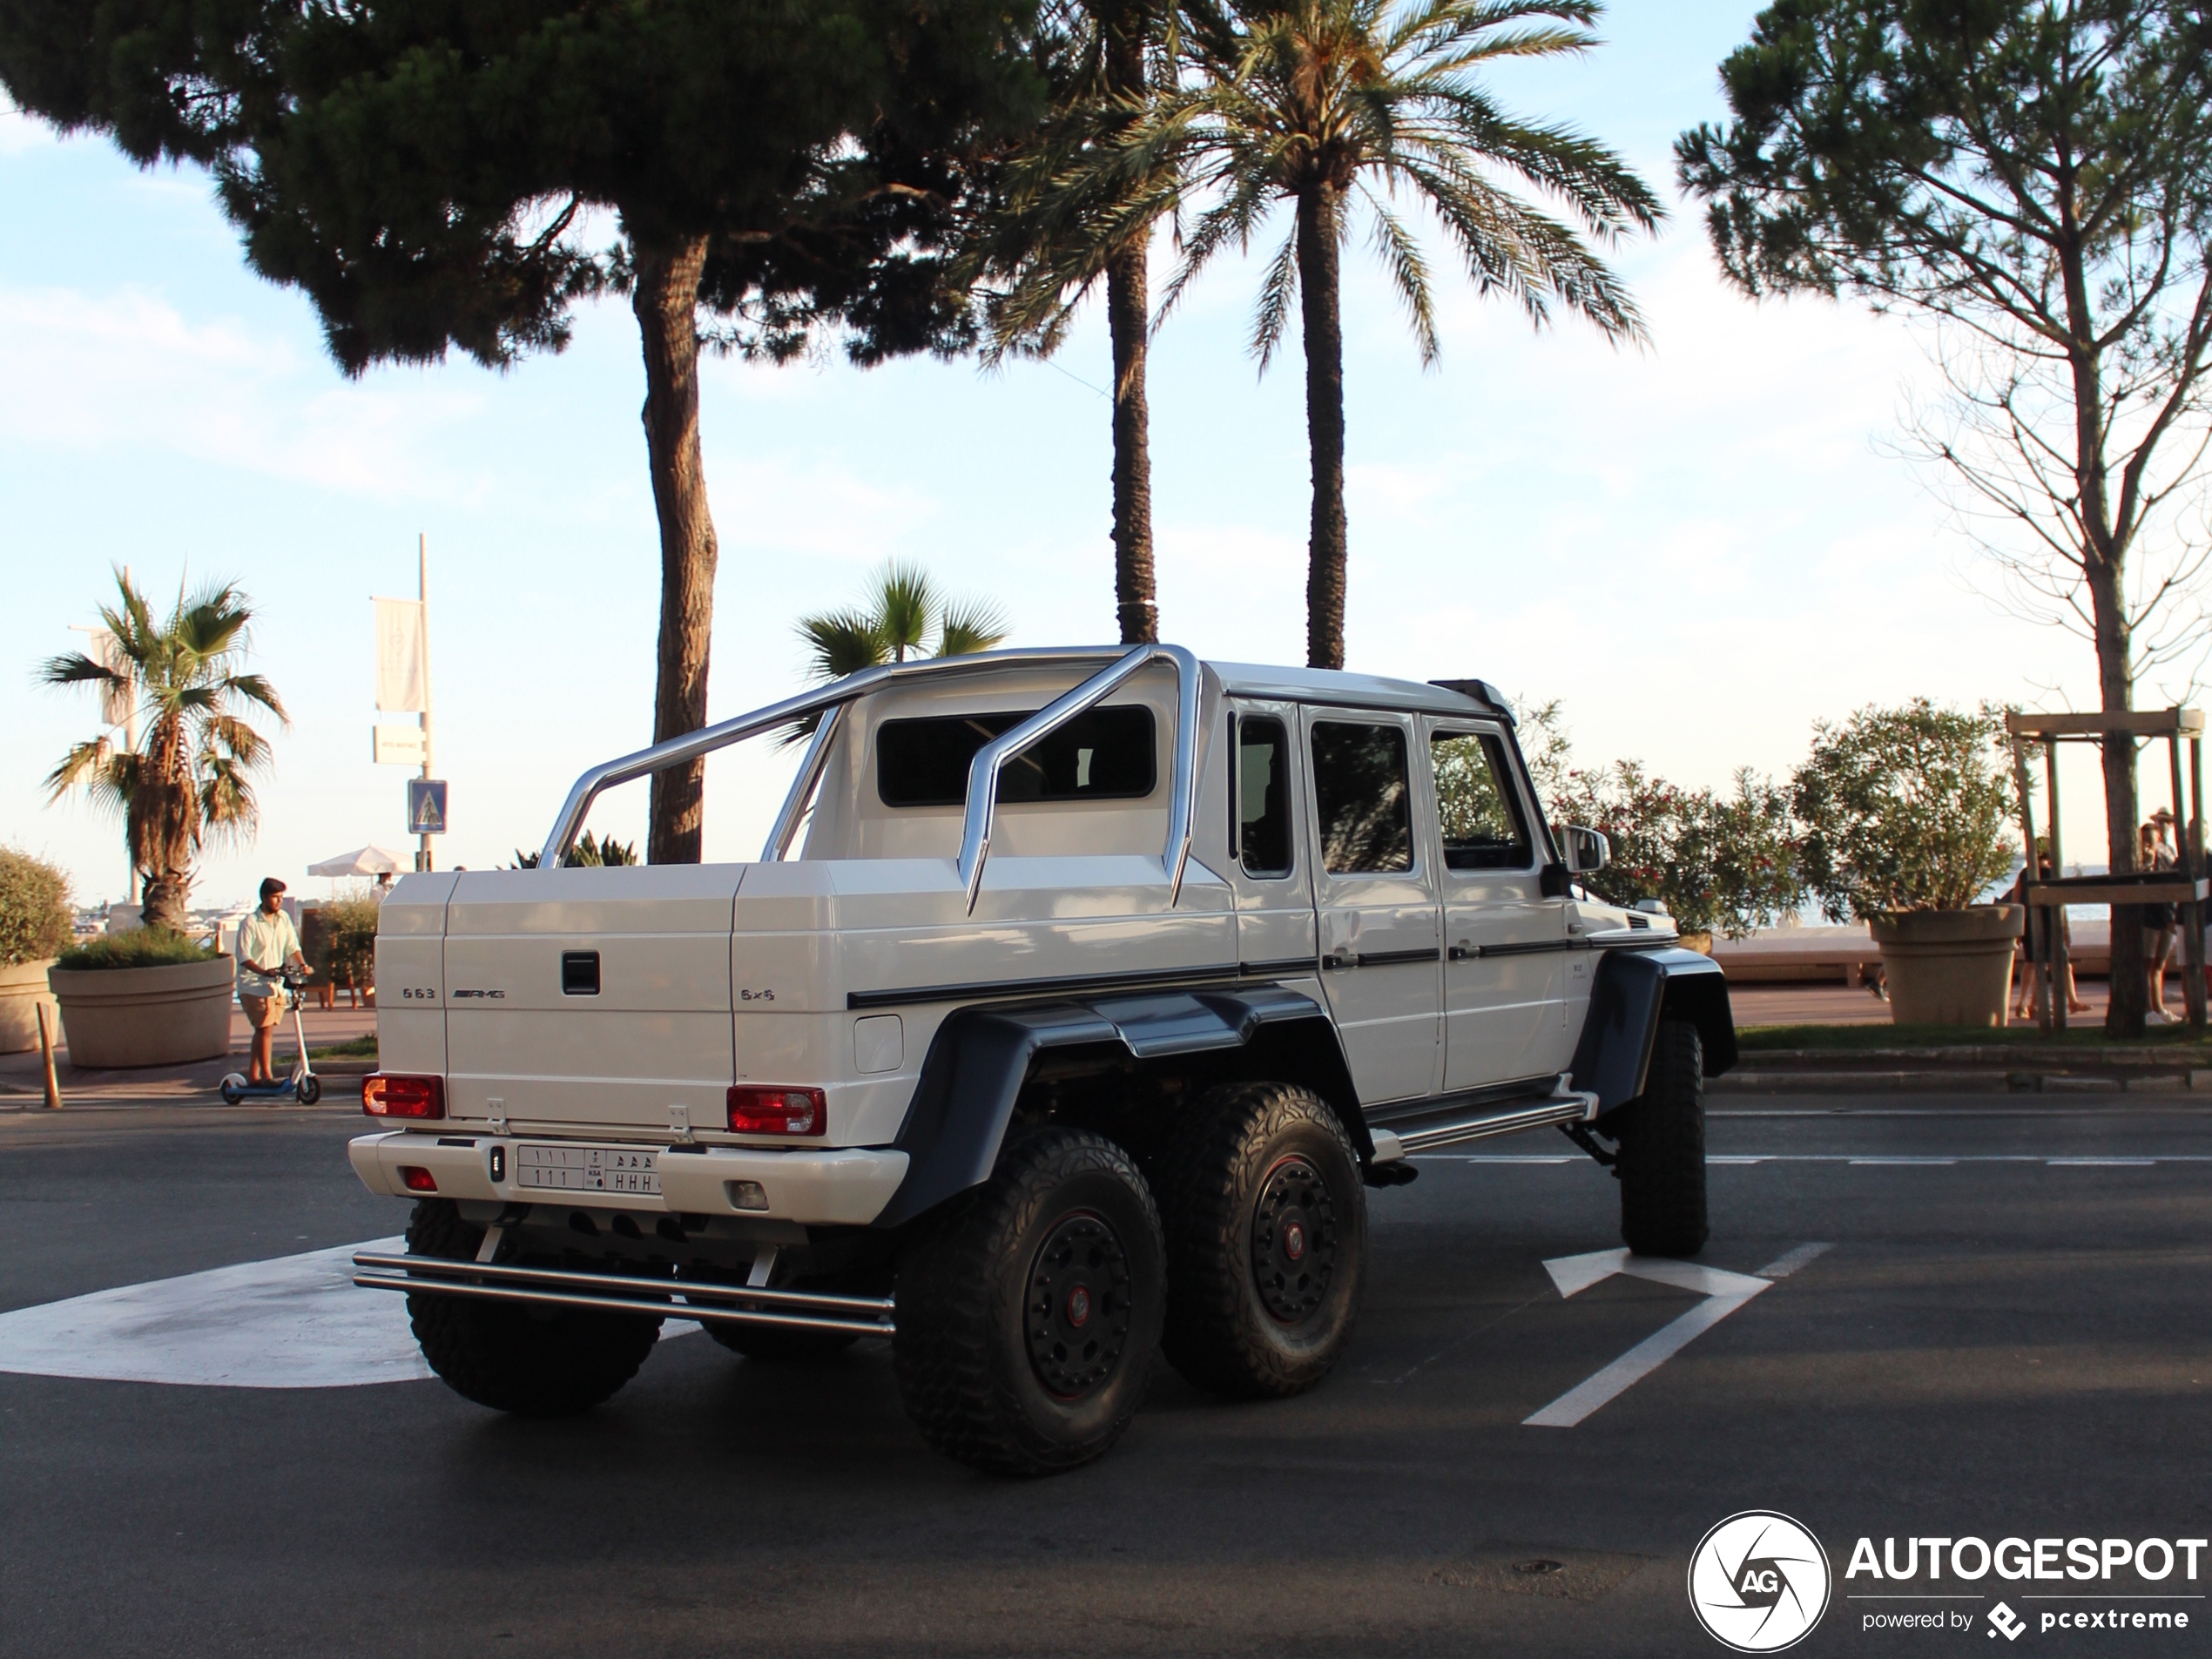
<point x="383" y="1097"/>
<point x="415" y="1178"/>
<point x="755" y="1111"/>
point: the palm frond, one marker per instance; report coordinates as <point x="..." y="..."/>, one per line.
<point x="74" y="668"/>
<point x="970" y="626"/>
<point x="1276" y="290"/>
<point x="1408" y="274"/>
<point x="902" y="602"/>
<point x="80" y="765"/>
<point x="840" y="643"/>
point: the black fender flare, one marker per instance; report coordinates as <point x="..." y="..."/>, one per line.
<point x="979" y="1057"/>
<point x="1635" y="990"/>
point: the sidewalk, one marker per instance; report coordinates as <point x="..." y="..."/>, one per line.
<point x="23" y="1086"/>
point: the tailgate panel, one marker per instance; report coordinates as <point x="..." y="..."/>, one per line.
<point x="654" y="1034"/>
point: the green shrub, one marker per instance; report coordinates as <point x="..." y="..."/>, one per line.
<point x="140" y="947"/>
<point x="34" y="908"/>
<point x="349" y="939"/>
<point x="1906" y="809"/>
<point x="1721" y="864"/>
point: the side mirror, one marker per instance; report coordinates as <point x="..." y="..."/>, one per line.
<point x="1587" y="850"/>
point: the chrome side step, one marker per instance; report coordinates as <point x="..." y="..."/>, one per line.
<point x="1450" y="1131"/>
<point x="866" y="1316"/>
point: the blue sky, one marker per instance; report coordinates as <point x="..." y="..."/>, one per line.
<point x="1700" y="546"/>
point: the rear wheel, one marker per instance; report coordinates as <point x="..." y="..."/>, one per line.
<point x="1267" y="1220"/>
<point x="1029" y="1309"/>
<point x="534" y="1362"/>
<point x="1661" y="1160"/>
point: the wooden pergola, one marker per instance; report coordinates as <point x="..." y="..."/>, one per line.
<point x="2185" y="888"/>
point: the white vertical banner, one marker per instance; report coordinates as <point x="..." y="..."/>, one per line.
<point x="402" y="671"/>
<point x="115" y="700"/>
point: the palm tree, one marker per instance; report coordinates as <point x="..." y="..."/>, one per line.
<point x="1334" y="105"/>
<point x="189" y="779"/>
<point x="895" y="620"/>
<point x="1051" y="254"/>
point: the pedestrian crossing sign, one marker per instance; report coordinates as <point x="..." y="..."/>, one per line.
<point x="426" y="806"/>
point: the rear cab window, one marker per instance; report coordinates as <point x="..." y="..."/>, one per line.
<point x="1102" y="754"/>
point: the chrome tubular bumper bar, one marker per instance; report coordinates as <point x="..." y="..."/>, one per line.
<point x="865" y="1316"/>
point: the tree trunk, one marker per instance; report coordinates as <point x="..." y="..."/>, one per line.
<point x="1127" y="311"/>
<point x="666" y="302"/>
<point x="159" y="826"/>
<point x="2124" y="1015"/>
<point x="1127" y="318"/>
<point x="1318" y="256"/>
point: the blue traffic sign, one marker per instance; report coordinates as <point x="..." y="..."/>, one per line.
<point x="426" y="806"/>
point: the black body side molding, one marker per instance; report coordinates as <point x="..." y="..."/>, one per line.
<point x="973" y="1074"/>
<point x="1635" y="990"/>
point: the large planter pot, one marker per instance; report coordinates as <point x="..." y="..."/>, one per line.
<point x="1949" y="967"/>
<point x="21" y="989"/>
<point x="146" y="1017"/>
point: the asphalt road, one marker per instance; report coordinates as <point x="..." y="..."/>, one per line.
<point x="1996" y="1345"/>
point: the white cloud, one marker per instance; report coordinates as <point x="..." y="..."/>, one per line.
<point x="128" y="370"/>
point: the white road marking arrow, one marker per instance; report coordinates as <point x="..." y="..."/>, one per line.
<point x="1723" y="1291"/>
<point x="296" y="1322"/>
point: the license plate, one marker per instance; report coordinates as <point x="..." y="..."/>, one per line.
<point x="586" y="1169"/>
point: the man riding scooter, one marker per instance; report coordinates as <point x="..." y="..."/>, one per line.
<point x="267" y="944"/>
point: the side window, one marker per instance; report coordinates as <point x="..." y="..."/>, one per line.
<point x="1361" y="797"/>
<point x="1475" y="804"/>
<point x="1262" y="795"/>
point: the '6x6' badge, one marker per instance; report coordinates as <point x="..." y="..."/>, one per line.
<point x="1759" y="1581"/>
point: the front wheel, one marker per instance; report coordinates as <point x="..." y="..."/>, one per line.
<point x="309" y="1089"/>
<point x="1267" y="1221"/>
<point x="533" y="1362"/>
<point x="1029" y="1309"/>
<point x="1661" y="1160"/>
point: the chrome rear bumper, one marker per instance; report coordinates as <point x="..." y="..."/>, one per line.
<point x="866" y="1316"/>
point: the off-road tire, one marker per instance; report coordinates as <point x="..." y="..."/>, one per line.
<point x="973" y="1344"/>
<point x="1227" y="1330"/>
<point x="529" y="1361"/>
<point x="1662" y="1165"/>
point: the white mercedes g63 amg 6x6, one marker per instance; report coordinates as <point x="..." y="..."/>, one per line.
<point x="1101" y="986"/>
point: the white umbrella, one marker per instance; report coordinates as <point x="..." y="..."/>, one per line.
<point x="368" y="860"/>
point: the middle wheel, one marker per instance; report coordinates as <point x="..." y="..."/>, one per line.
<point x="1266" y="1224"/>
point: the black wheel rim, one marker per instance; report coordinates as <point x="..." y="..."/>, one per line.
<point x="1294" y="1240"/>
<point x="1076" y="1309"/>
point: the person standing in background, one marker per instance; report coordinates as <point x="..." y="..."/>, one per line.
<point x="2156" y="854"/>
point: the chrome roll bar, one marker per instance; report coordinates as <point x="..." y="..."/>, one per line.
<point x="991" y="759"/>
<point x="984" y="772"/>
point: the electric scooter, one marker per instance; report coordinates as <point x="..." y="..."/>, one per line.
<point x="302" y="1085"/>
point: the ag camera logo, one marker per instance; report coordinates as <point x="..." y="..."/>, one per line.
<point x="1759" y="1581"/>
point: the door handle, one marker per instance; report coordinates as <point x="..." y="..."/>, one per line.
<point x="1340" y="959"/>
<point x="1462" y="952"/>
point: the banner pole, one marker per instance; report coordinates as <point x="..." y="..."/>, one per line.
<point x="422" y="593"/>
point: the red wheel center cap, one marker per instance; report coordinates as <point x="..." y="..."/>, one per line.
<point x="1294" y="1242"/>
<point x="1078" y="1307"/>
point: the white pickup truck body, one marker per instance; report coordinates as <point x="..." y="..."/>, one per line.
<point x="1078" y="887"/>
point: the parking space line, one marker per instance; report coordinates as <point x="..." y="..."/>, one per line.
<point x="2124" y="1160"/>
<point x="1782" y="1265"/>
